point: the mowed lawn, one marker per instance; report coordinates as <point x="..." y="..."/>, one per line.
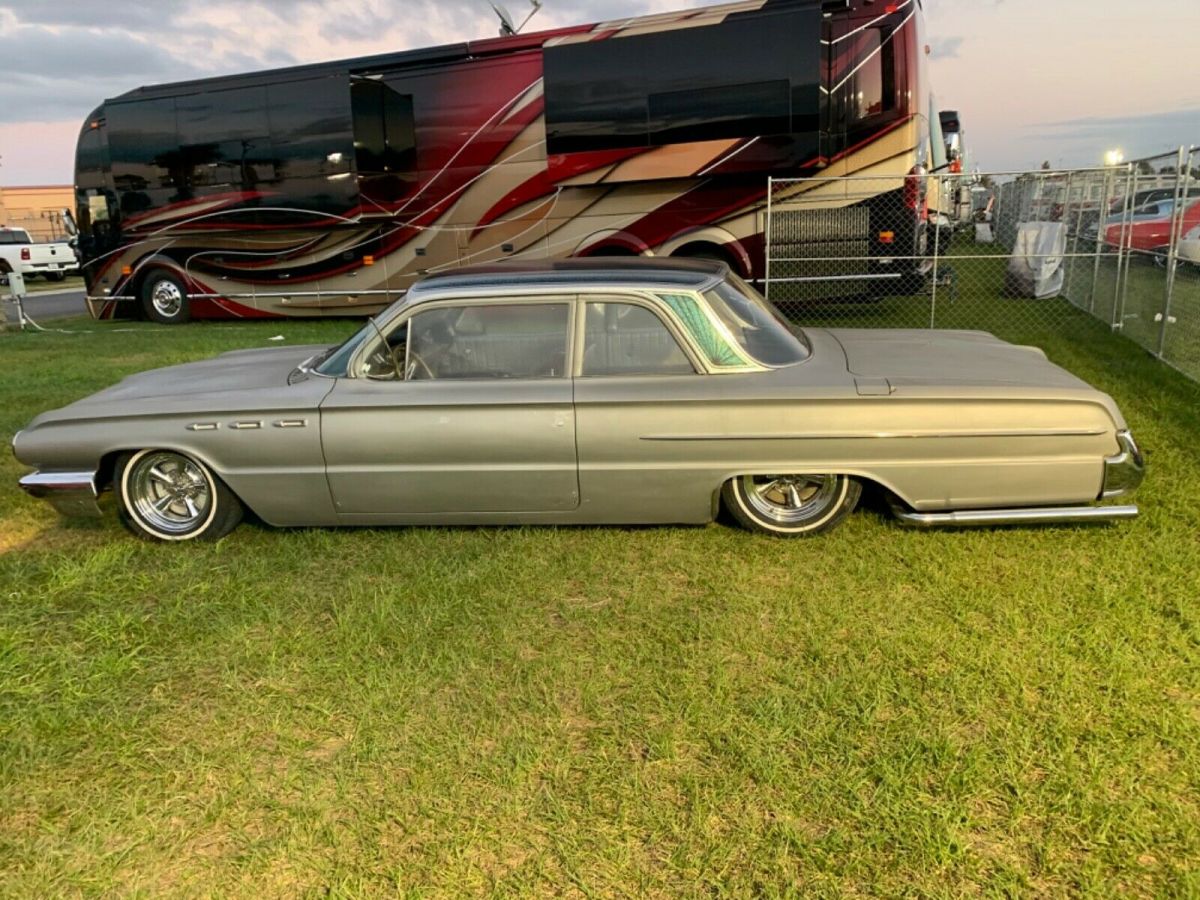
<point x="600" y="711"/>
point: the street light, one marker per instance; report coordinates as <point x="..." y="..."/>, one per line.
<point x="1114" y="157"/>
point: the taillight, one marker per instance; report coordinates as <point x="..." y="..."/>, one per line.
<point x="25" y="254"/>
<point x="914" y="192"/>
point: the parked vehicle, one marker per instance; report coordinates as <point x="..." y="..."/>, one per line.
<point x="1147" y="196"/>
<point x="591" y="391"/>
<point x="1189" y="247"/>
<point x="1149" y="227"/>
<point x="328" y="189"/>
<point x="55" y="260"/>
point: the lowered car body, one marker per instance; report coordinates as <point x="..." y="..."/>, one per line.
<point x="602" y="392"/>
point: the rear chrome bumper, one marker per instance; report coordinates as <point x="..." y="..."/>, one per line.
<point x="71" y="493"/>
<point x="1034" y="515"/>
<point x="1122" y="474"/>
<point x="1125" y="471"/>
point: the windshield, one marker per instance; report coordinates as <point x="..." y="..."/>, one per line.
<point x="757" y="326"/>
<point x="334" y="361"/>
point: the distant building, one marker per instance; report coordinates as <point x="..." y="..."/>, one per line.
<point x="37" y="209"/>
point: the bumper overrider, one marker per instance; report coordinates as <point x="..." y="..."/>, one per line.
<point x="1125" y="471"/>
<point x="71" y="493"/>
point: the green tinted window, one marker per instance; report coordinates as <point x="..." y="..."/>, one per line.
<point x="715" y="345"/>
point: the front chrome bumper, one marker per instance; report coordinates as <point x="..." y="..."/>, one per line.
<point x="1125" y="471"/>
<point x="71" y="493"/>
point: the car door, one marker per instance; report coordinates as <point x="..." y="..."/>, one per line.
<point x="635" y="381"/>
<point x="475" y="416"/>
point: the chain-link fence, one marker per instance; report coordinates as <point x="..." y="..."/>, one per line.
<point x="1018" y="254"/>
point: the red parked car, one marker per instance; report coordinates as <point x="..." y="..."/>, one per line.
<point x="1149" y="226"/>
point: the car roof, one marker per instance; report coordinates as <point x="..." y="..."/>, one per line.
<point x="598" y="272"/>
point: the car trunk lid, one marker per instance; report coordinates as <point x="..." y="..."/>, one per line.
<point x="946" y="358"/>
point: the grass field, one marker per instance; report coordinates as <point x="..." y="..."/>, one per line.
<point x="600" y="711"/>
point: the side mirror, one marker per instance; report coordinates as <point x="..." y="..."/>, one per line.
<point x="69" y="223"/>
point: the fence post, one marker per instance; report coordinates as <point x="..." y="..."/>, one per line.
<point x="1101" y="220"/>
<point x="1124" y="250"/>
<point x="767" y="240"/>
<point x="1182" y="175"/>
<point x="937" y="240"/>
<point x="1069" y="280"/>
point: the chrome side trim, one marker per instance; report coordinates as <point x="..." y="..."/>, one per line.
<point x="203" y="426"/>
<point x="863" y="435"/>
<point x="71" y="493"/>
<point x="1125" y="471"/>
<point x="1046" y="515"/>
<point x="292" y="423"/>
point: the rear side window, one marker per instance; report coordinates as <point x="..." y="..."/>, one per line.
<point x="624" y="339"/>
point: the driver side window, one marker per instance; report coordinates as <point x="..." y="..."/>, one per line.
<point x="484" y="340"/>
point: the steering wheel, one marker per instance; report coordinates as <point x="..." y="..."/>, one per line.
<point x="415" y="364"/>
<point x="381" y="365"/>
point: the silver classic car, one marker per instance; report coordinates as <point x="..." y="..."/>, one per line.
<point x="603" y="391"/>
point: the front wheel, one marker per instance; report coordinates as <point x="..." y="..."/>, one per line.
<point x="168" y="496"/>
<point x="164" y="299"/>
<point x="791" y="505"/>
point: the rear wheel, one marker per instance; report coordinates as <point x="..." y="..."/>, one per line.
<point x="164" y="298"/>
<point x="169" y="496"/>
<point x="55" y="276"/>
<point x="791" y="505"/>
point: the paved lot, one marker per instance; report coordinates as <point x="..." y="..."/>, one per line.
<point x="47" y="306"/>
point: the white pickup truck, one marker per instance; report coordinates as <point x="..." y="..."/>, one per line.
<point x="55" y="261"/>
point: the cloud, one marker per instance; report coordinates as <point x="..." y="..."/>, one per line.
<point x="945" y="48"/>
<point x="61" y="59"/>
<point x="1138" y="135"/>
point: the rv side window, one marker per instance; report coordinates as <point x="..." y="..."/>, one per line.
<point x="871" y="88"/>
<point x="143" y="142"/>
<point x="712" y="113"/>
<point x="750" y="75"/>
<point x="384" y="132"/>
<point x="310" y="127"/>
<point x="223" y="139"/>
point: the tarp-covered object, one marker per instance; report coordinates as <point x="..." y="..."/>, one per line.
<point x="1036" y="267"/>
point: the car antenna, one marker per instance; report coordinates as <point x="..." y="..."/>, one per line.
<point x="507" y="29"/>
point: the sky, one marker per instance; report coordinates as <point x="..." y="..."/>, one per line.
<point x="1034" y="80"/>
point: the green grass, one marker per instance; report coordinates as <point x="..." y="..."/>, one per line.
<point x="600" y="711"/>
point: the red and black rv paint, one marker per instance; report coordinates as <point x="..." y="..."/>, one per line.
<point x="328" y="189"/>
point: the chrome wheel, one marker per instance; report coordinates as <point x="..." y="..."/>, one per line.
<point x="790" y="500"/>
<point x="170" y="494"/>
<point x="167" y="298"/>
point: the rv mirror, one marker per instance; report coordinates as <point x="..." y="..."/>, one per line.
<point x="69" y="223"/>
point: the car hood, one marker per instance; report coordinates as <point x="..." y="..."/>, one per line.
<point x="949" y="359"/>
<point x="239" y="370"/>
<point x="241" y="379"/>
